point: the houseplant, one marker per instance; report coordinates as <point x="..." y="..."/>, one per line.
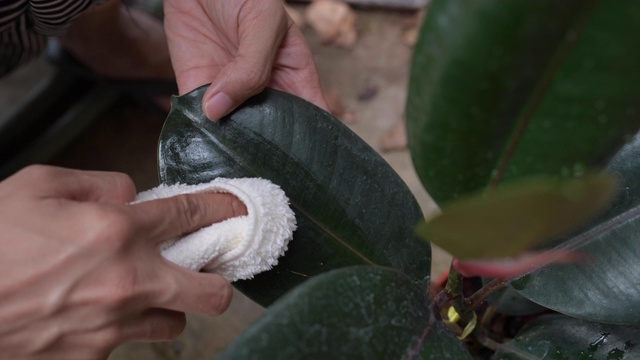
<point x="514" y="108"/>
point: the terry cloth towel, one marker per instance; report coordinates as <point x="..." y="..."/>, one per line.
<point x="239" y="247"/>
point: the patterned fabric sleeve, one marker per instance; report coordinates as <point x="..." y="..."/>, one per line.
<point x="25" y="25"/>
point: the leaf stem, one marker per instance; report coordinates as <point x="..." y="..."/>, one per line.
<point x="454" y="282"/>
<point x="452" y="294"/>
<point x="483" y="338"/>
<point x="454" y="289"/>
<point x="480" y="296"/>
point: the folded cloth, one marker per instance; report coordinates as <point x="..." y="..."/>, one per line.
<point x="239" y="247"/>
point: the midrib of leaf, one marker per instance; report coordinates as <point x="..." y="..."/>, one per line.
<point x="601" y="228"/>
<point x="326" y="230"/>
<point x="538" y="95"/>
<point x="415" y="349"/>
<point x="591" y="234"/>
<point x="333" y="235"/>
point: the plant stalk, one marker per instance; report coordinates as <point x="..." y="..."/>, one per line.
<point x="454" y="289"/>
<point x="480" y="296"/>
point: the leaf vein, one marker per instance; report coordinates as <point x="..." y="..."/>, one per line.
<point x="537" y="97"/>
<point x="298" y="207"/>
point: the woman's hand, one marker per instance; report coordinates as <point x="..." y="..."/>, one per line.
<point x="81" y="271"/>
<point x="241" y="47"/>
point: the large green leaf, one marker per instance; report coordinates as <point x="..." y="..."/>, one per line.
<point x="517" y="217"/>
<point x="350" y="205"/>
<point x="360" y="312"/>
<point x="607" y="287"/>
<point x="505" y="89"/>
<point x="557" y="337"/>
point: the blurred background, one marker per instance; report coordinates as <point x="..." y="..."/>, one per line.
<point x="362" y="49"/>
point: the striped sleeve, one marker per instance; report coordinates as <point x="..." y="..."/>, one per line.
<point x="51" y="17"/>
<point x="25" y="24"/>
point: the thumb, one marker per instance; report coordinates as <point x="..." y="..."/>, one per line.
<point x="249" y="72"/>
<point x="237" y="82"/>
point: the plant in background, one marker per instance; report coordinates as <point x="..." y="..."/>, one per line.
<point x="521" y="120"/>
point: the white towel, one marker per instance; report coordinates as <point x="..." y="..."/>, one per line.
<point x="239" y="247"/>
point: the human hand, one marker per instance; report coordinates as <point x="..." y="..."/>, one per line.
<point x="241" y="47"/>
<point x="81" y="271"/>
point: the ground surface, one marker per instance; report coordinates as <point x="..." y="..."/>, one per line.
<point x="125" y="140"/>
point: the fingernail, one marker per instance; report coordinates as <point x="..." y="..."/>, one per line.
<point x="218" y="106"/>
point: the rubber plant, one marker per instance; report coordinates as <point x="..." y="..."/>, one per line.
<point x="521" y="119"/>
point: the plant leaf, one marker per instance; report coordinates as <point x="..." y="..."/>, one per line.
<point x="351" y="206"/>
<point x="359" y="312"/>
<point x="560" y="337"/>
<point x="607" y="287"/>
<point x="503" y="90"/>
<point x="517" y="216"/>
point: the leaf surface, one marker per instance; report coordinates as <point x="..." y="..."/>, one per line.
<point x="351" y="206"/>
<point x="560" y="337"/>
<point x="359" y="312"/>
<point x="518" y="216"/>
<point x="504" y="90"/>
<point x="607" y="286"/>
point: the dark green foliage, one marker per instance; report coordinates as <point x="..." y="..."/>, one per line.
<point x="351" y="206"/>
<point x="507" y="89"/>
<point x="558" y="337"/>
<point x="607" y="286"/>
<point x="352" y="313"/>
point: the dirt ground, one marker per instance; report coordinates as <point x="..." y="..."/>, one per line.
<point x="370" y="80"/>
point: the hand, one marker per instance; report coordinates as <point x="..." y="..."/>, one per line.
<point x="241" y="47"/>
<point x="81" y="272"/>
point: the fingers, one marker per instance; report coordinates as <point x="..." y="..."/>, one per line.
<point x="78" y="185"/>
<point x="249" y="73"/>
<point x="158" y="220"/>
<point x="193" y="292"/>
<point x="168" y="218"/>
<point x="154" y="325"/>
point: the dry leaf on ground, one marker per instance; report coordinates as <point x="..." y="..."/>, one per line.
<point x="333" y="21"/>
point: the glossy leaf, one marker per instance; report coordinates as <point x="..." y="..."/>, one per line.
<point x="560" y="337"/>
<point x="517" y="217"/>
<point x="503" y="90"/>
<point x="607" y="287"/>
<point x="351" y="206"/>
<point x="352" y="313"/>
